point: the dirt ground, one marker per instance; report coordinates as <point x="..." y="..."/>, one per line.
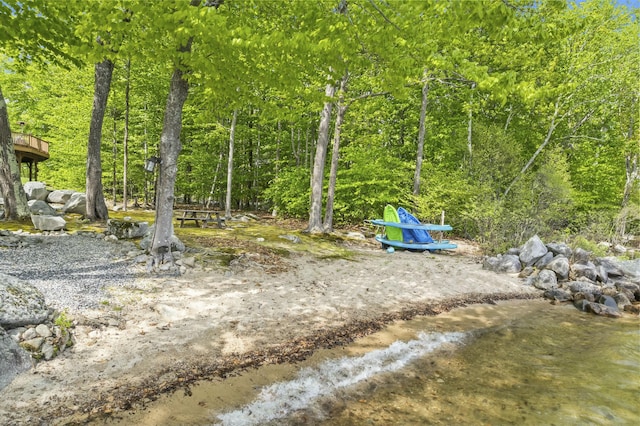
<point x="164" y="334"/>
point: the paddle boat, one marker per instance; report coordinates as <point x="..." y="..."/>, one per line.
<point x="403" y="230"/>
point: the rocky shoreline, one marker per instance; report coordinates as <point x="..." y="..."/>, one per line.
<point x="601" y="285"/>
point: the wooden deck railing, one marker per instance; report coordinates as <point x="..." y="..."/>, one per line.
<point x="31" y="142"/>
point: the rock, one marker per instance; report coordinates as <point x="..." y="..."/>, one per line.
<point x="601" y="274"/>
<point x="559" y="265"/>
<point x="176" y="244"/>
<point x="127" y="229"/>
<point x="509" y="264"/>
<point x="608" y="301"/>
<point x="189" y="261"/>
<point x="558" y="294"/>
<point x="620" y="249"/>
<point x="48" y="223"/>
<point x="13" y="359"/>
<point x="611" y="265"/>
<point x="32" y="345"/>
<point x="77" y="204"/>
<point x="589" y="297"/>
<point x="43" y="330"/>
<point x="584" y="287"/>
<point x="587" y="270"/>
<point x="514" y="251"/>
<point x="356" y="235"/>
<point x="532" y="250"/>
<point x="40" y="207"/>
<point x="544" y="260"/>
<point x="48" y="350"/>
<point x="293" y="238"/>
<point x="633" y="309"/>
<point x="36" y="190"/>
<point x="621" y="300"/>
<point x="526" y="272"/>
<point x="581" y="256"/>
<point x="20" y="303"/>
<point x="545" y="280"/>
<point x="559" y="248"/>
<point x="631" y="290"/>
<point x="59" y="196"/>
<point x="631" y="270"/>
<point x="602" y="310"/>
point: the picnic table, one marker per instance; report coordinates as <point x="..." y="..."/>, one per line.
<point x="197" y="216"/>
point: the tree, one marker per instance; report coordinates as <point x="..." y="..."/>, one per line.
<point x="40" y="37"/>
<point x="96" y="206"/>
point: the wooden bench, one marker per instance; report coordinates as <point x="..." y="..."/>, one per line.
<point x="204" y="216"/>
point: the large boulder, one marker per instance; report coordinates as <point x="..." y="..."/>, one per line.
<point x="60" y="196"/>
<point x="20" y="303"/>
<point x="581" y="256"/>
<point x="76" y="204"/>
<point x="559" y="265"/>
<point x="48" y="223"/>
<point x="560" y="248"/>
<point x="532" y="251"/>
<point x="611" y="265"/>
<point x="36" y="191"/>
<point x="545" y="280"/>
<point x="508" y="263"/>
<point x="13" y="359"/>
<point x="631" y="269"/>
<point x="40" y="207"/>
<point x="587" y="270"/>
<point x="126" y="229"/>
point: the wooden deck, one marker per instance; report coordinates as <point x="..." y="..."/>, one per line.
<point x="30" y="150"/>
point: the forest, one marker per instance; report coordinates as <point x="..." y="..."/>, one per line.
<point x="515" y="117"/>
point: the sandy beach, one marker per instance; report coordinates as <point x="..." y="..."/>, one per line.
<point x="162" y="334"/>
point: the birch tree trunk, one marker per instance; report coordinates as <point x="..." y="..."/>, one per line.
<point x="125" y="141"/>
<point x="96" y="207"/>
<point x="335" y="156"/>
<point x="315" y="211"/>
<point x="421" y="137"/>
<point x="11" y="189"/>
<point x="232" y="138"/>
<point x="470" y="129"/>
<point x="170" y="147"/>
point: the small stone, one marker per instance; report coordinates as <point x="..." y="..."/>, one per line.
<point x="43" y="330"/>
<point x="30" y="333"/>
<point x="48" y="350"/>
<point x="32" y="344"/>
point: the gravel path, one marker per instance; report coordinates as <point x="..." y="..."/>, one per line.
<point x="71" y="271"/>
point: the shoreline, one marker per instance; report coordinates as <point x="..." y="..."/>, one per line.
<point x="299" y="349"/>
<point x="160" y="335"/>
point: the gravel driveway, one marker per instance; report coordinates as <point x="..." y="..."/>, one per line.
<point x="71" y="271"/>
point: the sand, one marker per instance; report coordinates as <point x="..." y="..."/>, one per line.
<point x="163" y="334"/>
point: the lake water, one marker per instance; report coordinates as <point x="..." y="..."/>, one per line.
<point x="524" y="363"/>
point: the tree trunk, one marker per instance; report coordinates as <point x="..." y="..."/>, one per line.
<point x="125" y="141"/>
<point x="335" y="156"/>
<point x="315" y="212"/>
<point x="421" y="137"/>
<point x="470" y="128"/>
<point x="114" y="153"/>
<point x="11" y="189"/>
<point x="232" y="137"/>
<point x="96" y="207"/>
<point x="215" y="179"/>
<point x="170" y="147"/>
